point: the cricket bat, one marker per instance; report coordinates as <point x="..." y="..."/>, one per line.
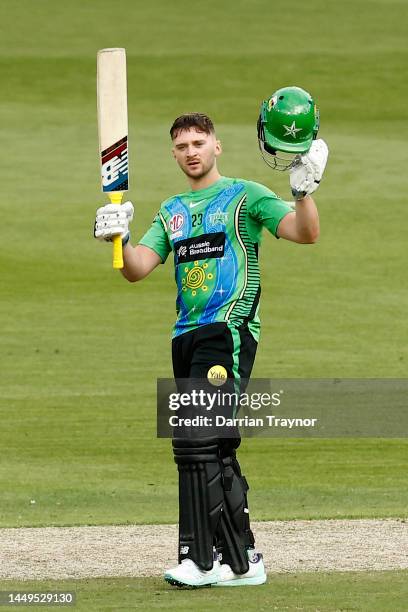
<point x="113" y="131"/>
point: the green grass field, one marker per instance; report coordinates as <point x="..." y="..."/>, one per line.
<point x="81" y="348"/>
<point x="323" y="592"/>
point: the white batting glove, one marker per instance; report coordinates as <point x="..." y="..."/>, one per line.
<point x="305" y="176"/>
<point x="113" y="220"/>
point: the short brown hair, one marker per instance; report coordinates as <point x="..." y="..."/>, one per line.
<point x="189" y="120"/>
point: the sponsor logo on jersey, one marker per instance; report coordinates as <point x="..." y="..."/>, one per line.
<point x="194" y="204"/>
<point x="184" y="550"/>
<point x="206" y="246"/>
<point x="181" y="251"/>
<point x="176" y="222"/>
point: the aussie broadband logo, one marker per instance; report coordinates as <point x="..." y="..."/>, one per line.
<point x="181" y="251"/>
<point x="206" y="246"/>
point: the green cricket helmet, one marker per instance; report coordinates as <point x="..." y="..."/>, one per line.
<point x="288" y="123"/>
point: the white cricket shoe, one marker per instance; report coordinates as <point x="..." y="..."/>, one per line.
<point x="254" y="576"/>
<point x="188" y="574"/>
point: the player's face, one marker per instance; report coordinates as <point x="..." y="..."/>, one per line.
<point x="196" y="152"/>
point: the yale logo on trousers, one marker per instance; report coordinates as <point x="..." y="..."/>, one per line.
<point x="217" y="375"/>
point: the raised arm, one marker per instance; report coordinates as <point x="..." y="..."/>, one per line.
<point x="302" y="225"/>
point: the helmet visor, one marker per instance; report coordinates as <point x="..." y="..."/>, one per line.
<point x="278" y="160"/>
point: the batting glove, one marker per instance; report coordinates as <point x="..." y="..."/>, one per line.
<point x="305" y="176"/>
<point x="113" y="220"/>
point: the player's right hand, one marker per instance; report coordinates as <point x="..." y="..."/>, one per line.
<point x="113" y="220"/>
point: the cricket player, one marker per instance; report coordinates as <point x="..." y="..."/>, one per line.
<point x="213" y="231"/>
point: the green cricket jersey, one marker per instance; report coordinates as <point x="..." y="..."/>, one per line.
<point x="214" y="234"/>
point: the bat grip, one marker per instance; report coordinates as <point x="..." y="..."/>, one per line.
<point x="116" y="198"/>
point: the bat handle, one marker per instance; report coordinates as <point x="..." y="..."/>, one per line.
<point x="116" y="198"/>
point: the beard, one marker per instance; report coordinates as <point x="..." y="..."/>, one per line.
<point x="198" y="174"/>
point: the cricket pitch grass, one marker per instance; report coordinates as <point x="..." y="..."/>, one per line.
<point x="147" y="550"/>
<point x="313" y="565"/>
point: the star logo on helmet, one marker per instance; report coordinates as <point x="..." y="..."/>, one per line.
<point x="291" y="130"/>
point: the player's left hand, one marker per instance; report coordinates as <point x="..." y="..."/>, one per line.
<point x="305" y="177"/>
<point x="113" y="220"/>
